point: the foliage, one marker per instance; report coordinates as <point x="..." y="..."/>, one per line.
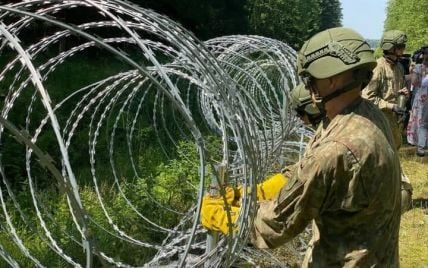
<point x="205" y="18"/>
<point x="60" y="223"/>
<point x="174" y="185"/>
<point x="331" y="14"/>
<point x="67" y="78"/>
<point x="290" y="21"/>
<point x="410" y="16"/>
<point x="175" y="181"/>
<point x="293" y="21"/>
<point x="378" y="52"/>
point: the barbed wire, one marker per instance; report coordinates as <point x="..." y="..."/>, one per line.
<point x="233" y="89"/>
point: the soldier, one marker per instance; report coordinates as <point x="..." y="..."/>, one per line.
<point x="301" y="102"/>
<point x="348" y="181"/>
<point x="214" y="216"/>
<point x="388" y="81"/>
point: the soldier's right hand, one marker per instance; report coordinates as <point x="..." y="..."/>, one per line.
<point x="213" y="213"/>
<point x="266" y="190"/>
<point x="397" y="109"/>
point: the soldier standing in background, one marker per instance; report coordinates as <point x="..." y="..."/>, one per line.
<point x="386" y="87"/>
<point x="388" y="81"/>
<point x="302" y="103"/>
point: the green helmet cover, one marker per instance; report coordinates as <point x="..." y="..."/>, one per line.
<point x="301" y="100"/>
<point x="392" y="38"/>
<point x="334" y="51"/>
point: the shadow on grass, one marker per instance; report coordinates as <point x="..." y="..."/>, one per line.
<point x="409" y="152"/>
<point x="420" y="203"/>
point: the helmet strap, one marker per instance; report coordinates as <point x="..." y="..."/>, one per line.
<point x="319" y="103"/>
<point x="315" y="119"/>
<point x="391" y="58"/>
<point x="341" y="91"/>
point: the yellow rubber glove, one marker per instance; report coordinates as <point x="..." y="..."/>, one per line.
<point x="270" y="188"/>
<point x="231" y="195"/>
<point x="266" y="190"/>
<point x="213" y="214"/>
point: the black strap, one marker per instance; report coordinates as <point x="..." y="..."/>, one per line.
<point x="340" y="91"/>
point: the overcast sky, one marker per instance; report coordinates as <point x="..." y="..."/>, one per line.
<point x="365" y="16"/>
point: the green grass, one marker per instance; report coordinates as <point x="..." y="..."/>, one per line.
<point x="416" y="168"/>
<point x="414" y="239"/>
<point x="414" y="223"/>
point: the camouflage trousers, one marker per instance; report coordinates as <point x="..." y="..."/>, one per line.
<point x="396" y="127"/>
<point x="406" y="186"/>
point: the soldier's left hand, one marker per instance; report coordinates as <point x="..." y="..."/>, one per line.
<point x="214" y="216"/>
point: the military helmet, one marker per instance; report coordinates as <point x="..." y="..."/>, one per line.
<point x="301" y="100"/>
<point x="393" y="38"/>
<point x="334" y="51"/>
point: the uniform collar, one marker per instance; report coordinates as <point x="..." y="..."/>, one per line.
<point x="351" y="107"/>
<point x="390" y="61"/>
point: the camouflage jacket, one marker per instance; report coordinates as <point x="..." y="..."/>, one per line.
<point x="348" y="184"/>
<point x="383" y="88"/>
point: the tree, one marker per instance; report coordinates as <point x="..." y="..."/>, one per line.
<point x="410" y="16"/>
<point x="292" y="21"/>
<point x="331" y="14"/>
<point x="205" y="18"/>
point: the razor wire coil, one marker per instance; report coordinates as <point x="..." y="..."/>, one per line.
<point x="232" y="89"/>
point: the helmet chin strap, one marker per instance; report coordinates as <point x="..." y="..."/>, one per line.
<point x="320" y="104"/>
<point x="321" y="101"/>
<point x="388" y="56"/>
<point x="390" y="59"/>
<point x="315" y="119"/>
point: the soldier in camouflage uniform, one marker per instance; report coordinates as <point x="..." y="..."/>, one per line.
<point x="388" y="81"/>
<point x="348" y="181"/>
<point x="301" y="102"/>
<point x="386" y="85"/>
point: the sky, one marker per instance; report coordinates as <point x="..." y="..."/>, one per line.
<point x="365" y="16"/>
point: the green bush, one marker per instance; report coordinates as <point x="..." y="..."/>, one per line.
<point x="172" y="183"/>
